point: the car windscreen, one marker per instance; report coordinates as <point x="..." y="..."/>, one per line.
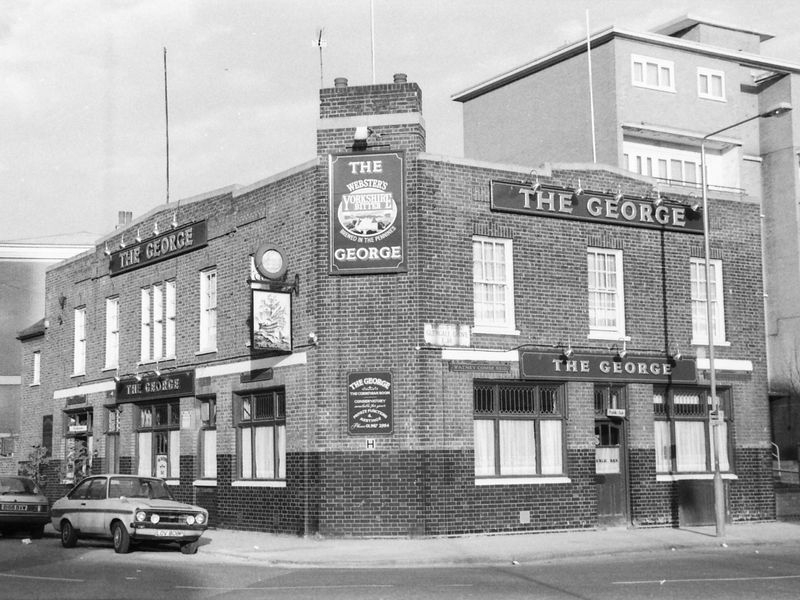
<point x="136" y="487"/>
<point x="16" y="485"/>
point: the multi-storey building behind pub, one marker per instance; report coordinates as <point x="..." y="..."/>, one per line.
<point x="383" y="341"/>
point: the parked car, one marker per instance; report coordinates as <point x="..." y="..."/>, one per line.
<point x="22" y="506"/>
<point x="128" y="509"/>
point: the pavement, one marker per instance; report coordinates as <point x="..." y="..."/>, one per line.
<point x="486" y="549"/>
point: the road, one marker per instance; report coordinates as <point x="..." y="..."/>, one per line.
<point x="43" y="569"/>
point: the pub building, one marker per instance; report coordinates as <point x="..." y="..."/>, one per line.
<point x="383" y="341"/>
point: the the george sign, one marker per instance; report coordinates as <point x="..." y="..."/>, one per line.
<point x="170" y="385"/>
<point x="552" y="201"/>
<point x="369" y="401"/>
<point x="367" y="213"/>
<point x="600" y="367"/>
<point x="161" y="247"/>
<point x="272" y="322"/>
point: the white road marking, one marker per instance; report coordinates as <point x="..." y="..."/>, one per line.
<point x="41" y="578"/>
<point x="700" y="580"/>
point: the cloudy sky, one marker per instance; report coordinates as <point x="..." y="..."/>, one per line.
<point x="82" y="117"/>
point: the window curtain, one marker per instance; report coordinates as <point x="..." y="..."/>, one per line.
<point x="145" y="454"/>
<point x="690" y="446"/>
<point x="722" y="432"/>
<point x="265" y="453"/>
<point x="517" y="448"/>
<point x="484" y="447"/>
<point x="210" y="453"/>
<point x="247" y="453"/>
<point x="281" y="431"/>
<point x="663" y="444"/>
<point x="552" y="456"/>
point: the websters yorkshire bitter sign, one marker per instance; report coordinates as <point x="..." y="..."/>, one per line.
<point x="603" y="367"/>
<point x="367" y="213"/>
<point x="550" y="201"/>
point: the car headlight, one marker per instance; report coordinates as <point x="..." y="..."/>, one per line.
<point x="141" y="515"/>
<point x="200" y="519"/>
<point x="190" y="519"/>
<point x="154" y="518"/>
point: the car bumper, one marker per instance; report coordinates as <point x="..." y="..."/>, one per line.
<point x="157" y="534"/>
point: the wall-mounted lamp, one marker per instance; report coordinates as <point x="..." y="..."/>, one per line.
<point x="174" y="220"/>
<point x="618" y="196"/>
<point x="659" y="200"/>
<point x="122" y="243"/>
<point x="155" y="228"/>
<point x="312" y="339"/>
<point x="535" y="186"/>
<point x="62" y="301"/>
<point x="568" y="352"/>
<point x="106" y="251"/>
<point x="138" y="237"/>
<point x="360" y="137"/>
<point x="694" y="204"/>
<point x="621" y="354"/>
<point x="137" y="376"/>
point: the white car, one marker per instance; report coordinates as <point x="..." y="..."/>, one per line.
<point x="127" y="509"/>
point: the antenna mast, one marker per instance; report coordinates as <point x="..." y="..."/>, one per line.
<point x="320" y="43"/>
<point x="166" y="113"/>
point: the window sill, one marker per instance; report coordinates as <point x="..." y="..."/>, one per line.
<point x="484" y="329"/>
<point x="272" y="483"/>
<point x="155" y="361"/>
<point x="205" y="351"/>
<point x="692" y="476"/>
<point x="705" y="343"/>
<point x="110" y="368"/>
<point x="78" y="375"/>
<point x="611" y="336"/>
<point x="37" y="384"/>
<point x="172" y="481"/>
<point x="204" y="483"/>
<point x="537" y="480"/>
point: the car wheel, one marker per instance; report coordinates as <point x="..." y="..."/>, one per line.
<point x="122" y="541"/>
<point x="68" y="536"/>
<point x="189" y="547"/>
<point x="37" y="532"/>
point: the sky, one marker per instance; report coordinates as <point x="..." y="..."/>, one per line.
<point x="82" y="94"/>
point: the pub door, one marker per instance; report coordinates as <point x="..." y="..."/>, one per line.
<point x="610" y="472"/>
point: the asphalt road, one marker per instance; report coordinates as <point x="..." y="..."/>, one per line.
<point x="43" y="569"/>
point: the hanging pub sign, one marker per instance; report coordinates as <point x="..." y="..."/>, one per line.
<point x="272" y="322"/>
<point x="160" y="247"/>
<point x="600" y="367"/>
<point x="151" y="386"/>
<point x="367" y="213"/>
<point x="553" y="201"/>
<point x="369" y="401"/>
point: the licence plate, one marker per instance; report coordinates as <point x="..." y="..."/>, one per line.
<point x="168" y="533"/>
<point x="14" y="507"/>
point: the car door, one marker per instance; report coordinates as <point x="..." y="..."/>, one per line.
<point x="73" y="507"/>
<point x="94" y="508"/>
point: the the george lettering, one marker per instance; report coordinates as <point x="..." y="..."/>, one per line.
<point x="367" y="254"/>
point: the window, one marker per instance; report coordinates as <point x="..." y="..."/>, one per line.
<point x="606" y="294"/>
<point x="112" y="333"/>
<point x="710" y="84"/>
<point x="208" y="438"/>
<point x="261" y="422"/>
<point x="699" y="305"/>
<point x="208" y="310"/>
<point x="47" y="434"/>
<point x="112" y="438"/>
<point x="158" y="323"/>
<point x="518" y="429"/>
<point x="145" y="354"/>
<point x="493" y="284"/>
<point x="170" y="306"/>
<point x="36" y="377"/>
<point x="79" y="357"/>
<point x="653" y="73"/>
<point x="158" y="436"/>
<point x="682" y="439"/>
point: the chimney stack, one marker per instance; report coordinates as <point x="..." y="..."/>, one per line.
<point x="124" y="218"/>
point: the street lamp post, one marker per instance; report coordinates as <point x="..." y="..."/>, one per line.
<point x="714" y="416"/>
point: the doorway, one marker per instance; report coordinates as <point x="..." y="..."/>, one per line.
<point x="610" y="456"/>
